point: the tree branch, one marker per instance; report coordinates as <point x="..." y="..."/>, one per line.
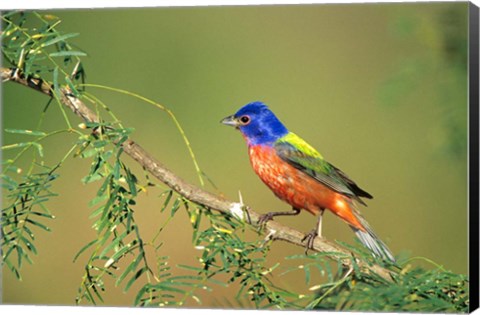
<point x="276" y="231"/>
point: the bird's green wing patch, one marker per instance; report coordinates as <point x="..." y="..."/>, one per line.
<point x="294" y="150"/>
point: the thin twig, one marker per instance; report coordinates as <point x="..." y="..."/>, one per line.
<point x="193" y="193"/>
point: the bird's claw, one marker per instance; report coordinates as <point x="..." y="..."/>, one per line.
<point x="264" y="218"/>
<point x="310" y="239"/>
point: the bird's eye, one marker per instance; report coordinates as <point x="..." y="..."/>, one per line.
<point x="244" y="120"/>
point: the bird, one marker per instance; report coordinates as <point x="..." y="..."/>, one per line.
<point x="299" y="175"/>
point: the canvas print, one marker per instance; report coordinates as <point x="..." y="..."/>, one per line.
<point x="282" y="157"/>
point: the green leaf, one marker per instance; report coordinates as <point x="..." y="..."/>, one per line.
<point x="307" y="274"/>
<point x="40" y="225"/>
<point x="84" y="248"/>
<point x="16" y="145"/>
<point x="89" y="153"/>
<point x="106" y="155"/>
<point x="105" y="185"/>
<point x="97" y="200"/>
<point x="196" y="215"/>
<point x="10" y="250"/>
<point x="41" y="214"/>
<point x="132" y="180"/>
<point x="26" y="132"/>
<point x="28" y="244"/>
<point x="164" y="275"/>
<point x="328" y="269"/>
<point x="92" y="178"/>
<point x="13" y="269"/>
<point x="124" y="250"/>
<point x="29" y="232"/>
<point x="67" y="53"/>
<point x="141" y="292"/>
<point x="72" y="87"/>
<point x="105" y="237"/>
<point x="95" y="290"/>
<point x="56" y="87"/>
<point x="12" y="184"/>
<point x="137" y="275"/>
<point x="175" y="279"/>
<point x="175" y="207"/>
<point x="20" y="255"/>
<point x="114" y="243"/>
<point x="167" y="200"/>
<point x="58" y="39"/>
<point x="217" y="282"/>
<point x="100" y="143"/>
<point x="187" y="267"/>
<point x="132" y="267"/>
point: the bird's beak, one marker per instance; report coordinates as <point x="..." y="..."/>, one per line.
<point x="230" y="121"/>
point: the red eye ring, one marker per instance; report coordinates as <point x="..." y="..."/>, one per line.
<point x="244" y="119"/>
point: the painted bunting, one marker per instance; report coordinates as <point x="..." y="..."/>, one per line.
<point x="300" y="176"/>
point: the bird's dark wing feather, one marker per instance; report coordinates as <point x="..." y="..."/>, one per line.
<point x="303" y="157"/>
<point x="353" y="186"/>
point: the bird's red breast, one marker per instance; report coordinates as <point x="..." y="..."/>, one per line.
<point x="297" y="188"/>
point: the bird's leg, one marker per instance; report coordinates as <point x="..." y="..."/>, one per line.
<point x="319" y="223"/>
<point x="310" y="237"/>
<point x="269" y="216"/>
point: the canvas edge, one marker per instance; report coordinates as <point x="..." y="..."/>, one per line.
<point x="473" y="91"/>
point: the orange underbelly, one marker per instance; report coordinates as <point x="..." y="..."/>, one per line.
<point x="297" y="188"/>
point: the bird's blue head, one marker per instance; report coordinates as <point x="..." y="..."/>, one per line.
<point x="258" y="124"/>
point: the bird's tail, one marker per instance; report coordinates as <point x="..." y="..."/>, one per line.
<point x="370" y="240"/>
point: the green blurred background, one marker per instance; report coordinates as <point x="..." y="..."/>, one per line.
<point x="379" y="89"/>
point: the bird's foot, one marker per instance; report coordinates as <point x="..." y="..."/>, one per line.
<point x="309" y="238"/>
<point x="264" y="218"/>
<point x="269" y="216"/>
